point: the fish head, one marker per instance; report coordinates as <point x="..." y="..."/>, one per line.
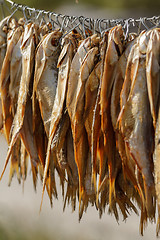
<point x="144" y="38"/>
<point x="30" y="32"/>
<point x="117" y="35"/>
<point x="51" y="43"/>
<point x="94" y="40"/>
<point x="21" y="21"/>
<point x="3" y="27"/>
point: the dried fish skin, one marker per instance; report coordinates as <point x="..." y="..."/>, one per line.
<point x="87" y="66"/>
<point x="15" y="74"/>
<point x="156" y="158"/>
<point x="44" y="92"/>
<point x="153" y="79"/>
<point x="153" y="71"/>
<point x="46" y="75"/>
<point x="96" y="124"/>
<point x="122" y="78"/>
<point x="3" y="39"/>
<point x="82" y="50"/>
<point x="91" y="90"/>
<point x="78" y="130"/>
<point x="64" y="63"/>
<point x="27" y="49"/>
<point x="118" y="83"/>
<point x="136" y="124"/>
<point x="114" y="50"/>
<point x="5" y="81"/>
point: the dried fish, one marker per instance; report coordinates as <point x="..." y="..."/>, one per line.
<point x="5" y="82"/>
<point x="79" y="73"/>
<point x="44" y="90"/>
<point x="114" y="51"/>
<point x="136" y="123"/>
<point x="46" y="75"/>
<point x="22" y="123"/>
<point x="153" y="71"/>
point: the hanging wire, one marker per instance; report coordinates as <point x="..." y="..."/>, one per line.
<point x="84" y="24"/>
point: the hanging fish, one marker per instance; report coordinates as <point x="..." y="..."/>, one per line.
<point x="46" y="74"/>
<point x="5" y="82"/>
<point x="44" y="92"/>
<point x="136" y="124"/>
<point x="76" y="86"/>
<point x="114" y="50"/>
<point x="22" y="124"/>
<point x="153" y="84"/>
<point x="153" y="72"/>
<point x="97" y="149"/>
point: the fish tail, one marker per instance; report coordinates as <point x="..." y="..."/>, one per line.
<point x="158" y="222"/>
<point x="14" y="168"/>
<point x="150" y="195"/>
<point x="45" y="173"/>
<point x="12" y="143"/>
<point x="112" y="192"/>
<point x="6" y="162"/>
<point x="81" y="201"/>
<point x="94" y="180"/>
<point x="143" y="220"/>
<point x="34" y="175"/>
<point x="94" y="167"/>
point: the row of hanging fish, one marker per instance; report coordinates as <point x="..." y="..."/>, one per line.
<point x="86" y="111"/>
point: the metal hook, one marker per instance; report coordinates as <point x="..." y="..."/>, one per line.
<point x="63" y="23"/>
<point x="24" y="14"/>
<point x="17" y="7"/>
<point x="57" y="20"/>
<point x="144" y="22"/>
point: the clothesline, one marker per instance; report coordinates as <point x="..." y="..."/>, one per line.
<point x="68" y="23"/>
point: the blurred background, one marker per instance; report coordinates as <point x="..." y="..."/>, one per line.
<point x="19" y="211"/>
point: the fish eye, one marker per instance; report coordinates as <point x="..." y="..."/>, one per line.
<point x="54" y="42"/>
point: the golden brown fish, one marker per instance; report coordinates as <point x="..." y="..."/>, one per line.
<point x="44" y="90"/>
<point x="97" y="147"/>
<point x="121" y="69"/>
<point x="46" y="75"/>
<point x="153" y="84"/>
<point x="91" y="90"/>
<point x="153" y="71"/>
<point x="3" y="39"/>
<point x="114" y="51"/>
<point x="72" y="185"/>
<point x="136" y="123"/>
<point x="15" y="74"/>
<point x="21" y="121"/>
<point x="82" y="50"/>
<point x="64" y="62"/>
<point x="118" y="83"/>
<point x="78" y="128"/>
<point x="5" y="82"/>
<point x="74" y="86"/>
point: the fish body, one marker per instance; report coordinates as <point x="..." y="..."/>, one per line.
<point x="136" y="122"/>
<point x="46" y="75"/>
<point x="114" y="50"/>
<point x="27" y="49"/>
<point x="153" y="71"/>
<point x="5" y="82"/>
<point x="15" y="74"/>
